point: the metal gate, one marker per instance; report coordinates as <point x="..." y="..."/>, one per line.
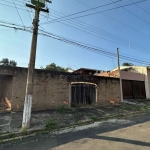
<point x="133" y="89"/>
<point x="83" y="94"/>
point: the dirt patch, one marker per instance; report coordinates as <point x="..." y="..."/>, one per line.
<point x="11" y="122"/>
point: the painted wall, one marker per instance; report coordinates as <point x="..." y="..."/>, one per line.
<point x="52" y="89"/>
<point x="132" y="76"/>
<point x="143" y="70"/>
<point x="148" y="79"/>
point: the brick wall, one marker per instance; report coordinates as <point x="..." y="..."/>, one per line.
<point x="51" y="88"/>
<point x="0" y="88"/>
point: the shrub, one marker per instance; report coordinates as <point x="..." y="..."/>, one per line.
<point x="50" y="124"/>
<point x="61" y="109"/>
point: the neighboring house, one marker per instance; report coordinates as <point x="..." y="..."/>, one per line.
<point x="53" y="89"/>
<point x="135" y="81"/>
<point x="88" y="71"/>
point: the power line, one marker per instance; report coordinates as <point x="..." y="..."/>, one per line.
<point x="81" y="45"/>
<point x="141" y="8"/>
<point x="119" y="40"/>
<point x="17" y="8"/>
<point x="97" y="12"/>
<point x="91" y="48"/>
<point x="86" y="10"/>
<point x="18" y="1"/>
<point x="18" y="13"/>
<point x="10" y="2"/>
<point x="107" y="36"/>
<point x="114" y="19"/>
<point x="12" y="6"/>
<point x="132" y="13"/>
<point x="11" y="23"/>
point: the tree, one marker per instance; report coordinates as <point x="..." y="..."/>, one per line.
<point x="54" y="67"/>
<point x="127" y="64"/>
<point x="7" y="62"/>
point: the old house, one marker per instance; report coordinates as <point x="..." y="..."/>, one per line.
<point x="88" y="71"/>
<point x="53" y="89"/>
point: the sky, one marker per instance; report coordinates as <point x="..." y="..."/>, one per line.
<point x="106" y="27"/>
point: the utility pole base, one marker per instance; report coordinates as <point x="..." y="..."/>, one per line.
<point x="27" y="111"/>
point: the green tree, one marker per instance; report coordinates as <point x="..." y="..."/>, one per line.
<point x="54" y="67"/>
<point x="7" y="62"/>
<point x="127" y="64"/>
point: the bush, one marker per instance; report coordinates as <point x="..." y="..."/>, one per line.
<point x="24" y="131"/>
<point x="50" y="124"/>
<point x="61" y="109"/>
<point x="93" y="118"/>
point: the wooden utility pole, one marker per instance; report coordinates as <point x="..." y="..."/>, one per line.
<point x="119" y="73"/>
<point x="30" y="77"/>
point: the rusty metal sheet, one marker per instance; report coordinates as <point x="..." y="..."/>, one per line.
<point x="83" y="94"/>
<point x="133" y="89"/>
<point x="139" y="90"/>
<point x="127" y="89"/>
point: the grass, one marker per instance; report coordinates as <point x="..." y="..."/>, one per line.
<point x="93" y="118"/>
<point x="11" y="135"/>
<point x="50" y="124"/>
<point x="120" y="115"/>
<point x="127" y="106"/>
<point x="61" y="109"/>
<point x="137" y="108"/>
<point x="106" y="116"/>
<point x="76" y="115"/>
<point x="24" y="131"/>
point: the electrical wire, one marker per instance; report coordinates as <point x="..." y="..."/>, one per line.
<point x="95" y="12"/>
<point x="18" y="8"/>
<point x="18" y="13"/>
<point x="107" y="36"/>
<point x="12" y="6"/>
<point x="141" y="8"/>
<point x="81" y="45"/>
<point x="125" y="43"/>
<point x="132" y="13"/>
<point x="114" y="19"/>
<point x="5" y="1"/>
<point x="86" y="10"/>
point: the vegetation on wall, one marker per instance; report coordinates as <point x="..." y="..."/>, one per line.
<point x="7" y="62"/>
<point x="127" y="64"/>
<point x="54" y="67"/>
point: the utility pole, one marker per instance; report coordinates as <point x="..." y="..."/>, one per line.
<point x="31" y="66"/>
<point x="119" y="73"/>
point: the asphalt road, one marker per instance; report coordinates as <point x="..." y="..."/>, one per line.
<point x="124" y="134"/>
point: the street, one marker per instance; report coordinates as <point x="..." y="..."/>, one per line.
<point x="132" y="133"/>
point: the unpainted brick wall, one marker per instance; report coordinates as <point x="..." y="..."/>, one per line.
<point x="51" y="88"/>
<point x="108" y="90"/>
<point x="6" y="86"/>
